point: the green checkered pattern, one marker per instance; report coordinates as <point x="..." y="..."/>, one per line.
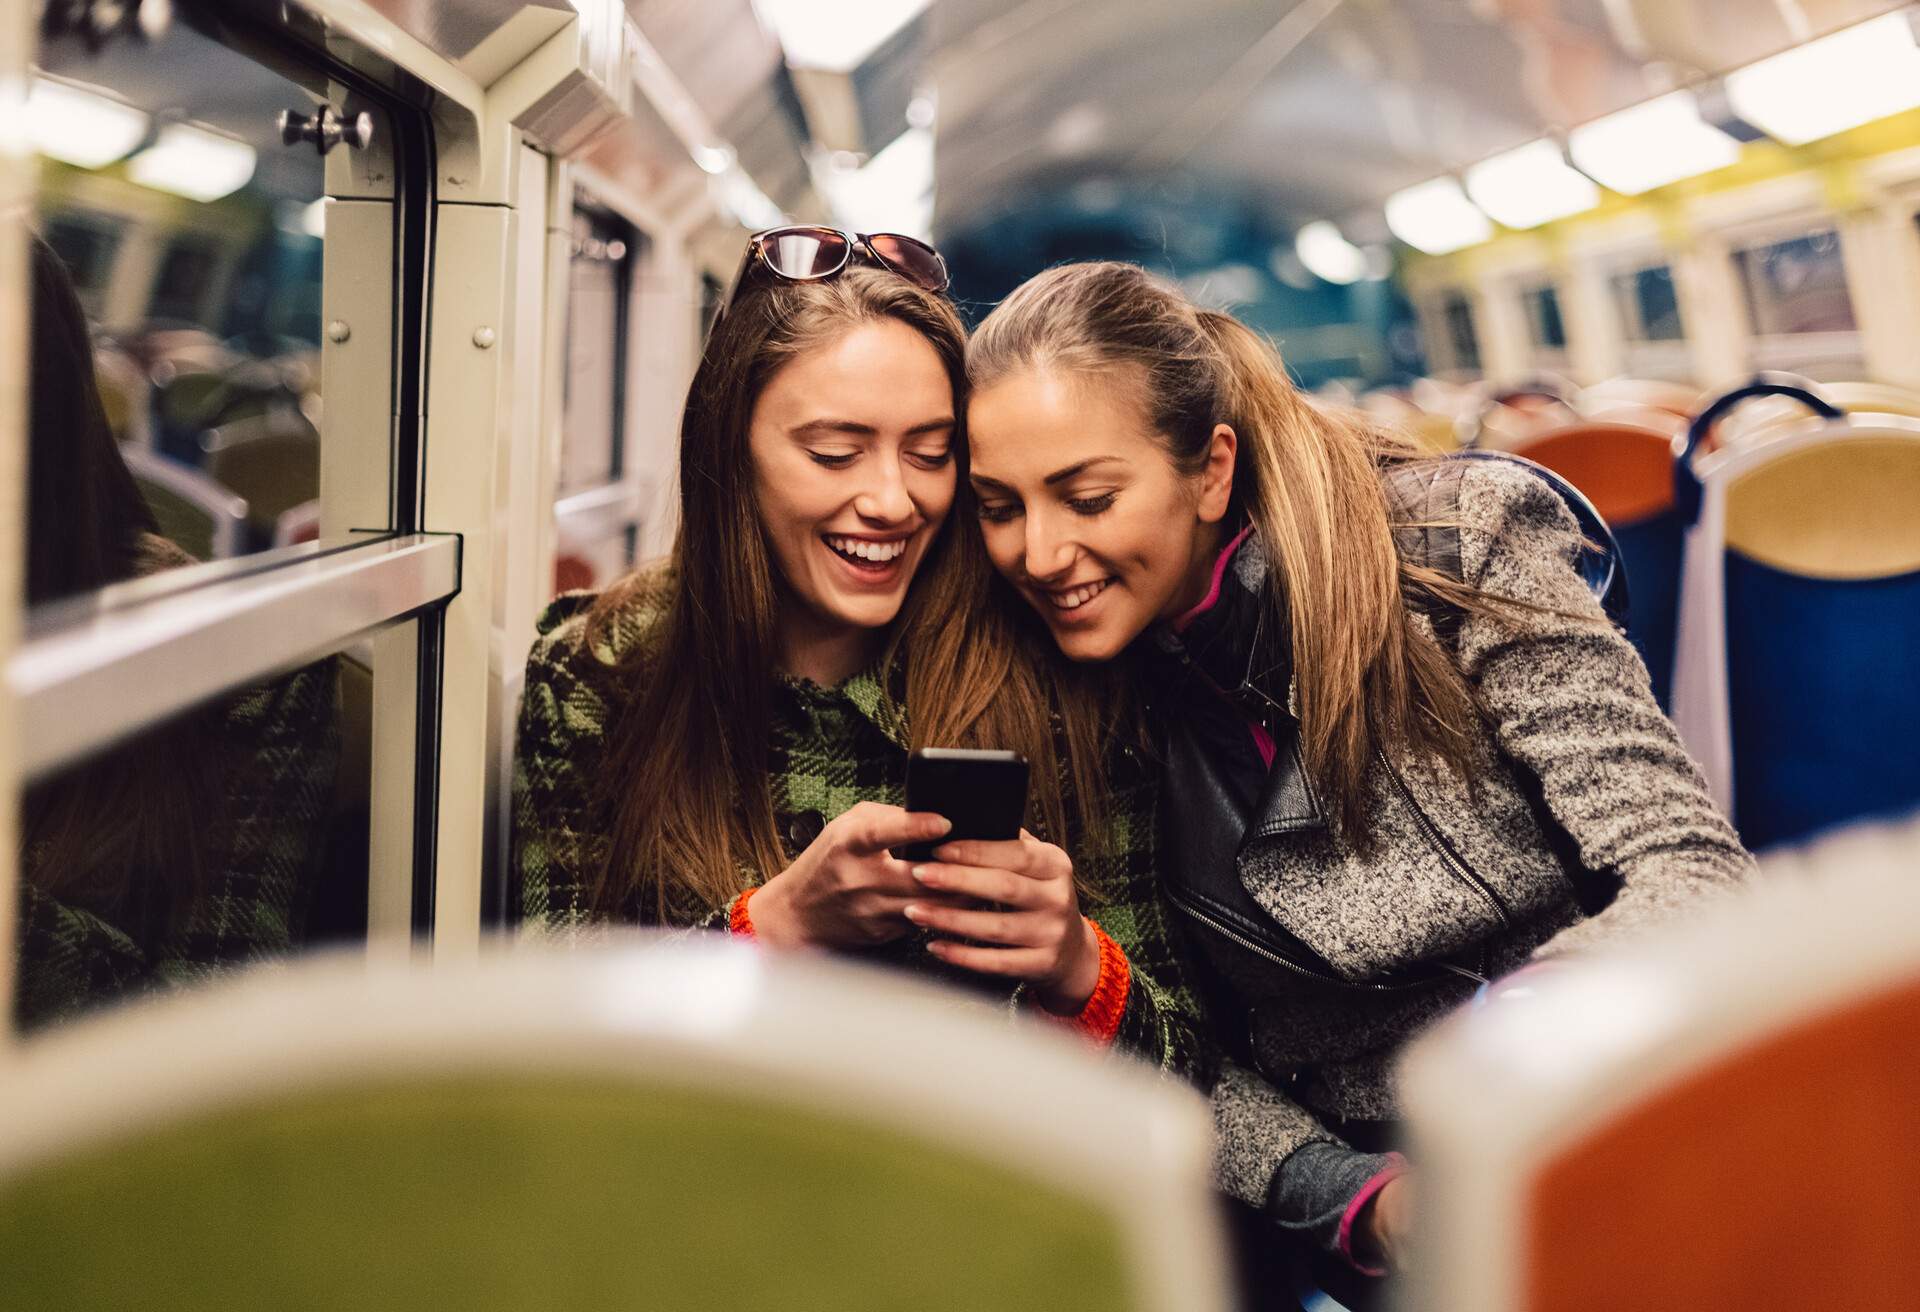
<point x="831" y="748"/>
<point x="280" y="746"/>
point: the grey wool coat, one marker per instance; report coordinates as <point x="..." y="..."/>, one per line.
<point x="1462" y="878"/>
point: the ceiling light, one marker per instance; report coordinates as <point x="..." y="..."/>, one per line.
<point x="80" y="127"/>
<point x="1530" y="186"/>
<point x="1650" y="145"/>
<point x="893" y="192"/>
<point x="713" y="159"/>
<point x="750" y="206"/>
<point x="193" y="162"/>
<point x="1436" y="217"/>
<point x="1328" y="254"/>
<point x="1841" y="81"/>
<point x="835" y="38"/>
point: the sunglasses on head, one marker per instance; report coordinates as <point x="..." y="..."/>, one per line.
<point x="814" y="254"/>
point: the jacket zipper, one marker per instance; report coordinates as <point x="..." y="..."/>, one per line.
<point x="1450" y="857"/>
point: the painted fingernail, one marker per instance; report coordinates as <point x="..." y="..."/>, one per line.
<point x="922" y="874"/>
<point x="912" y="912"/>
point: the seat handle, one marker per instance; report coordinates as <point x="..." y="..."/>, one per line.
<point x="1687" y="488"/>
<point x="1544" y="387"/>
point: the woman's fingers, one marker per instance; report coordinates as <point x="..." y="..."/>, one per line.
<point x="872" y="828"/>
<point x="987" y="884"/>
<point x="1011" y="929"/>
<point x="1021" y="963"/>
<point x="1013" y="854"/>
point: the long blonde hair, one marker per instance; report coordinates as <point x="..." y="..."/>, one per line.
<point x="1365" y="675"/>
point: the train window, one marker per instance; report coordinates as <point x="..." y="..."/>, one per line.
<point x="711" y="292"/>
<point x="600" y="281"/>
<point x="205" y="308"/>
<point x="1462" y="339"/>
<point x="598" y="510"/>
<point x="232" y="832"/>
<point x="86" y="244"/>
<point x="1797" y="286"/>
<point x="195" y="734"/>
<point x="1649" y="308"/>
<point x="1546" y="328"/>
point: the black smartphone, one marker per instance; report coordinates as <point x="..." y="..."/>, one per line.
<point x="983" y="794"/>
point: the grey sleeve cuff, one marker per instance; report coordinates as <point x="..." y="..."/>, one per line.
<point x="1256" y="1128"/>
<point x="1314" y="1186"/>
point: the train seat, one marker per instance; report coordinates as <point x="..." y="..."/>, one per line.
<point x="643" y="1122"/>
<point x="1799" y="618"/>
<point x="197" y="514"/>
<point x="272" y="459"/>
<point x="1666" y="1126"/>
<point x="1627" y="472"/>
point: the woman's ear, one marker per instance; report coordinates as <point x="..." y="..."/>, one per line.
<point x="1216" y="476"/>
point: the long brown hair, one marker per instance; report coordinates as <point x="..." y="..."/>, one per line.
<point x="685" y="792"/>
<point x="1309" y="482"/>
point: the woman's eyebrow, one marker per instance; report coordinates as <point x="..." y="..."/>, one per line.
<point x="981" y="480"/>
<point x="1062" y="475"/>
<point x="852" y="428"/>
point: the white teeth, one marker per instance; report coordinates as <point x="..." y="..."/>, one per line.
<point x="878" y="552"/>
<point x="1075" y="598"/>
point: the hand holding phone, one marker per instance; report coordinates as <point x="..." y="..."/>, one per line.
<point x="1018" y="913"/>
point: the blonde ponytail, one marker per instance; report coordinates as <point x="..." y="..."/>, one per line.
<point x="1308" y="480"/>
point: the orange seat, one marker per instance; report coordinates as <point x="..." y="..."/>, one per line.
<point x="1626" y="471"/>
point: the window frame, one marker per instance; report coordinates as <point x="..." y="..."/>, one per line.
<point x="90" y="670"/>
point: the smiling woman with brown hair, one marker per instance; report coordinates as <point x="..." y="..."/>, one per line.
<point x="722" y="739"/>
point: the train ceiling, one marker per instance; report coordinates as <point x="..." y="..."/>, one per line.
<point x="1319" y="107"/>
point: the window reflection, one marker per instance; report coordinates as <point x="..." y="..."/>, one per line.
<point x="1797" y="286"/>
<point x="190" y="230"/>
<point x="194" y="846"/>
<point x="1548" y="330"/>
<point x="1458" y="311"/>
<point x="1649" y="307"/>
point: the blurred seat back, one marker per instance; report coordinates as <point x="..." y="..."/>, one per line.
<point x="668" y="1124"/>
<point x="1627" y="472"/>
<point x="271" y="459"/>
<point x="1668" y="1126"/>
<point x="194" y="512"/>
<point x="1799" y="622"/>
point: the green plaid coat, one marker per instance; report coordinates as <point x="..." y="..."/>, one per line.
<point x="280" y="744"/>
<point x="831" y="748"/>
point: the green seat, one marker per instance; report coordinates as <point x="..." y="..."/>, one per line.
<point x="671" y="1125"/>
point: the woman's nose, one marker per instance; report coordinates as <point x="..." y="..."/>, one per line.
<point x="1049" y="551"/>
<point x="885" y="499"/>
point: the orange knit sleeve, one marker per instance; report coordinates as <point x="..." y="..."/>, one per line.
<point x="739" y="919"/>
<point x="1100" y="1018"/>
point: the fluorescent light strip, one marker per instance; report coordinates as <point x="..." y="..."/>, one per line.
<point x="1855" y="76"/>
<point x="1651" y="145"/>
<point x="893" y="192"/>
<point x="1532" y="185"/>
<point x="835" y="38"/>
<point x="1436" y="217"/>
<point x="1329" y="255"/>
<point x="730" y="185"/>
<point x="81" y="127"/>
<point x="193" y="162"/>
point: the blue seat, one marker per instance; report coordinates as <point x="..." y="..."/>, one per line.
<point x="1627" y="472"/>
<point x="1800" y="616"/>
